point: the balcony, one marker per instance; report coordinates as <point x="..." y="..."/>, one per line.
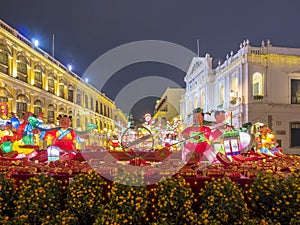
<point x="233" y="101"/>
<point x="258" y="98"/>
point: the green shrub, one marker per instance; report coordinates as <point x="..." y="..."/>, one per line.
<point x="275" y="197"/>
<point x="7" y="195"/>
<point x="223" y="200"/>
<point x="128" y="204"/>
<point x="174" y="202"/>
<point x="63" y="218"/>
<point x="84" y="196"/>
<point x="38" y="200"/>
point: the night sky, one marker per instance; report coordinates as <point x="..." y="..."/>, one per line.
<point x="85" y="30"/>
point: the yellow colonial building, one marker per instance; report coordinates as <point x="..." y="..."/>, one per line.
<point x="32" y="80"/>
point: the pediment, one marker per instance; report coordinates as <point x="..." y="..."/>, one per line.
<point x="196" y="64"/>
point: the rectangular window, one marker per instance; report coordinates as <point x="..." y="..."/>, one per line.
<point x="86" y="102"/>
<point x="61" y="91"/>
<point x="3" y="99"/>
<point x="38" y="76"/>
<point x="78" y="99"/>
<point x="295" y="134"/>
<point x="22" y="67"/>
<point x="78" y="122"/>
<point x="97" y="106"/>
<point x="92" y="104"/>
<point x="3" y="58"/>
<point x="22" y="106"/>
<point x="295" y="91"/>
<point x="279" y="142"/>
<point x="51" y="86"/>
<point x="37" y="110"/>
<point x="22" y="77"/>
<point x="50" y="116"/>
<point x="38" y="79"/>
<point x="70" y="95"/>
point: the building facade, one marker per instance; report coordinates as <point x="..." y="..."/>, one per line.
<point x="168" y="106"/>
<point x="31" y="80"/>
<point x="121" y="121"/>
<point x="257" y="84"/>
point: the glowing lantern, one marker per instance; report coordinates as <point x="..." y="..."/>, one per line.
<point x="6" y="146"/>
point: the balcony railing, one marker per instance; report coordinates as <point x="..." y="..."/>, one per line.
<point x="258" y="98"/>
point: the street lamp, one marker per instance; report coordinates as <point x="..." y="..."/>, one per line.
<point x="35" y="42"/>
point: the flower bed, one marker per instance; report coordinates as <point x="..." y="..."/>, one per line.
<point x="265" y="191"/>
<point x="89" y="199"/>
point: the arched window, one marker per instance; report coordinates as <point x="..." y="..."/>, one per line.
<point x="22" y="64"/>
<point x="101" y="108"/>
<point x="22" y="103"/>
<point x="61" y="111"/>
<point x="108" y="112"/>
<point x="61" y="88"/>
<point x="234" y="85"/>
<point x="51" y="82"/>
<point x="3" y="99"/>
<point x="97" y="106"/>
<point x="50" y="113"/>
<point x="4" y="94"/>
<point x="38" y="76"/>
<point x="221" y="100"/>
<point x="202" y="100"/>
<point x="4" y="58"/>
<point x="71" y="93"/>
<point x="70" y="113"/>
<point x="257" y="84"/>
<point x="92" y="104"/>
<point x="86" y="101"/>
<point x="190" y="107"/>
<point x="78" y="97"/>
<point x="37" y="107"/>
<point x="234" y="91"/>
<point x="78" y="121"/>
<point x="105" y="110"/>
<point x="196" y="102"/>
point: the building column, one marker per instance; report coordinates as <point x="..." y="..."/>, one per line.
<point x="13" y="70"/>
<point x="30" y="78"/>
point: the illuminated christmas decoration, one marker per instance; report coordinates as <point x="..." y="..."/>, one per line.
<point x="3" y="110"/>
<point x="63" y="137"/>
<point x="148" y="118"/>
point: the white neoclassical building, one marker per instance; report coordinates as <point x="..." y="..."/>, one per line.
<point x="257" y="84"/>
